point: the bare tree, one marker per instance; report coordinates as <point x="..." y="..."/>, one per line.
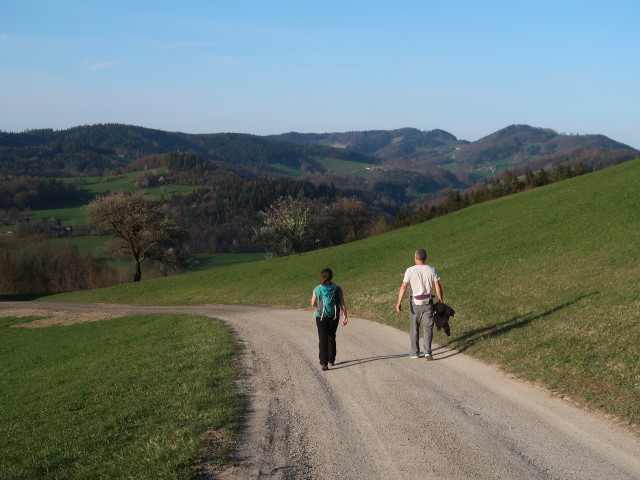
<point x="343" y="221"/>
<point x="142" y="229"/>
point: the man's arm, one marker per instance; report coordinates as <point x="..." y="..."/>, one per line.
<point x="439" y="290"/>
<point x="403" y="288"/>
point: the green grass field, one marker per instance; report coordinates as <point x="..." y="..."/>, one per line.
<point x="101" y="185"/>
<point x="207" y="261"/>
<point x="546" y="284"/>
<point x="331" y="165"/>
<point x="125" y="181"/>
<point x="76" y="215"/>
<point x="346" y="167"/>
<point x="92" y="244"/>
<point x="132" y="397"/>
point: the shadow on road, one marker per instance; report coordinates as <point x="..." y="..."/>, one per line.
<point x="359" y="361"/>
<point x="439" y="353"/>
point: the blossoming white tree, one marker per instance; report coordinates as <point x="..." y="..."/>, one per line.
<point x="286" y="228"/>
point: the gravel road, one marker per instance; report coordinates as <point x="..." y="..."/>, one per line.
<point x="380" y="415"/>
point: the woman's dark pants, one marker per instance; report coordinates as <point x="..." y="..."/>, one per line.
<point x="327" y="328"/>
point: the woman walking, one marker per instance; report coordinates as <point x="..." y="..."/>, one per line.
<point x="328" y="299"/>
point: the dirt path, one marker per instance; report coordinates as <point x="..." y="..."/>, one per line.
<point x="380" y="415"/>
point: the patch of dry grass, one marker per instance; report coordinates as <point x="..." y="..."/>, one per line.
<point x="49" y="318"/>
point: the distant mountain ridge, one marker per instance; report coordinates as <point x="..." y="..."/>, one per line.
<point x="519" y="144"/>
<point x="126" y="142"/>
<point x="522" y="145"/>
<point x="402" y="167"/>
<point x="384" y="144"/>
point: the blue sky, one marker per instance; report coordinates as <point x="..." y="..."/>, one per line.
<point x="469" y="67"/>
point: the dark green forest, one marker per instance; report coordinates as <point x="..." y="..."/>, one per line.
<point x="104" y="149"/>
<point x="26" y="192"/>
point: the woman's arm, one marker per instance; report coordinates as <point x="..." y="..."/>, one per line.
<point x="343" y="307"/>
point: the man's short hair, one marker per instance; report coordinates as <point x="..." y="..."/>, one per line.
<point x="421" y="255"/>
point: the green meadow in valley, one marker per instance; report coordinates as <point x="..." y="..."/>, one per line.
<point x="545" y="283"/>
<point x="76" y="215"/>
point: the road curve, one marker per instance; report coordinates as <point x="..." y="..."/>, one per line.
<point x="380" y="415"/>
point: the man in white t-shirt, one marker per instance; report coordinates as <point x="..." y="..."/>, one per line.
<point x="424" y="280"/>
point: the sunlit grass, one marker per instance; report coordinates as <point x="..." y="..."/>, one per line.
<point x="134" y="397"/>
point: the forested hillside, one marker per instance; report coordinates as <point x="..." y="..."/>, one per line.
<point x="103" y="149"/>
<point x="521" y="146"/>
<point x="395" y="168"/>
<point x="517" y="144"/>
<point x="400" y="143"/>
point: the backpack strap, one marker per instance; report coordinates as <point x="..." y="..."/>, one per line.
<point x="335" y="307"/>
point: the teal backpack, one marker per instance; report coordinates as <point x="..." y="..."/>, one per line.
<point x="328" y="297"/>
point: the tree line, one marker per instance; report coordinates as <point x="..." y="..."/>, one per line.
<point x="221" y="218"/>
<point x="27" y="192"/>
<point x="92" y="150"/>
<point x="507" y="183"/>
<point x="290" y="225"/>
<point x="58" y="160"/>
<point x="40" y="267"/>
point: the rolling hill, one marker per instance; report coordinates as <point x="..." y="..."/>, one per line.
<point x="509" y="147"/>
<point x="386" y="144"/>
<point x="391" y="171"/>
<point x="114" y="146"/>
<point x="437" y="159"/>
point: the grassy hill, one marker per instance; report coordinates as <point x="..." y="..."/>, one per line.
<point x="545" y="283"/>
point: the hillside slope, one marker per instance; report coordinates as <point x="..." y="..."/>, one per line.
<point x="529" y="147"/>
<point x="510" y="147"/>
<point x="115" y="145"/>
<point x="401" y="142"/>
<point x="546" y="283"/>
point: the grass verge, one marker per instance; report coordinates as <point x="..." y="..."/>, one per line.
<point x="132" y="397"/>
